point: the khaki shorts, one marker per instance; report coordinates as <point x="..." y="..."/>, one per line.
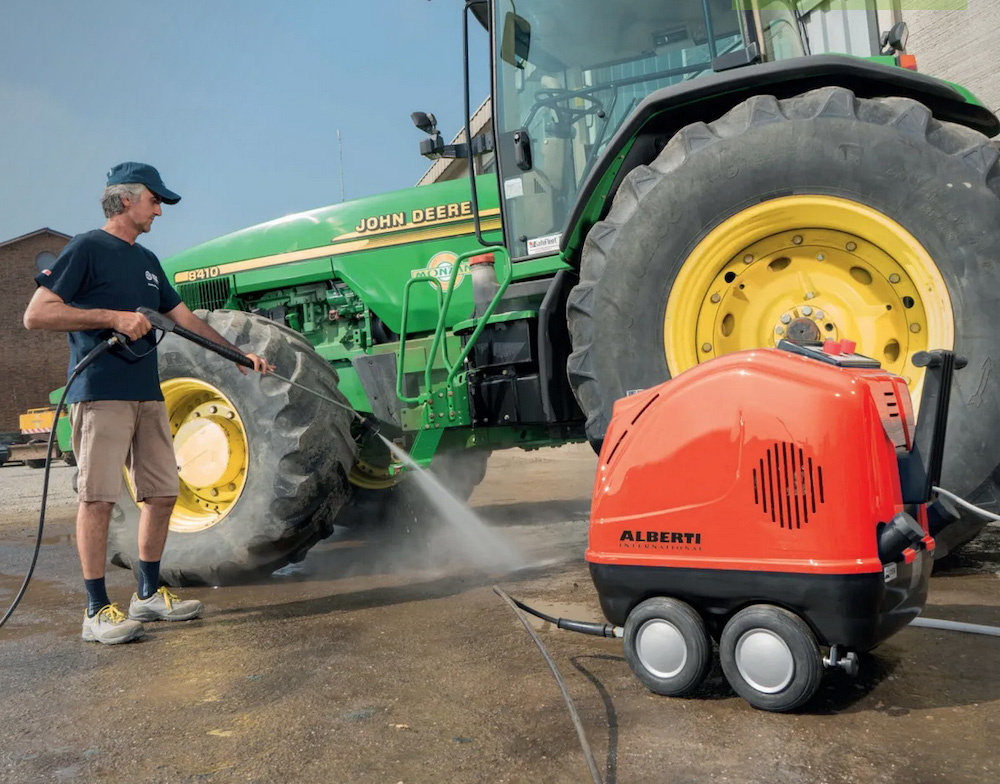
<point x="110" y="434"/>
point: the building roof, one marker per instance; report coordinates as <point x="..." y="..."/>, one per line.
<point x="35" y="233"/>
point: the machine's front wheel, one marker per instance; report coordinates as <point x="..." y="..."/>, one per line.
<point x="771" y="658"/>
<point x="667" y="646"/>
<point x="819" y="216"/>
<point x="257" y="458"/>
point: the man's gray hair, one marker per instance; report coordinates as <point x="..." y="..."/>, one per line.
<point x="111" y="201"/>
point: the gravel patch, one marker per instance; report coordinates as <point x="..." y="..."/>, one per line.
<point x="21" y="488"/>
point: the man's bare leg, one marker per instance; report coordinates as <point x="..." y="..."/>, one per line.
<point x="92" y="518"/>
<point x="154" y="522"/>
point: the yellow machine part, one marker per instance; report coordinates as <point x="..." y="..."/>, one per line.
<point x="809" y="267"/>
<point x="37" y="420"/>
<point x="212" y="450"/>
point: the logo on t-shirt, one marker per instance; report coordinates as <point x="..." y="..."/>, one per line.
<point x="46" y="272"/>
<point x="152" y="280"/>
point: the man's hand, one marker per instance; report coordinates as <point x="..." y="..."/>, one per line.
<point x="259" y="364"/>
<point x="131" y="325"/>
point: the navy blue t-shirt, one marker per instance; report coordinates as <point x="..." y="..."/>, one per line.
<point x="99" y="270"/>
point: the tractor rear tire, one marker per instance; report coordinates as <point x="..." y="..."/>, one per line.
<point x="656" y="296"/>
<point x="295" y="451"/>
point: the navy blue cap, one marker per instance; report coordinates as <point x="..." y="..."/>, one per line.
<point x="130" y="172"/>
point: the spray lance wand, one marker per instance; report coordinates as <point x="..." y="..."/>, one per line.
<point x="162" y="322"/>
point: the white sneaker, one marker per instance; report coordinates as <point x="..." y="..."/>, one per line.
<point x="164" y="606"/>
<point x="110" y="626"/>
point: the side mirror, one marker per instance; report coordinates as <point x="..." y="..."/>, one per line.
<point x="425" y="122"/>
<point x="434" y="147"/>
<point x="516" y="40"/>
<point x="894" y="40"/>
<point x="430" y="148"/>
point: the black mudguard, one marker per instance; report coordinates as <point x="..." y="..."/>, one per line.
<point x="666" y="111"/>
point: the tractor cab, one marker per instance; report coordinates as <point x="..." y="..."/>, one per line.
<point x="569" y="73"/>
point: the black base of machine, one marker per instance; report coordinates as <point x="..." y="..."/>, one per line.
<point x="857" y="611"/>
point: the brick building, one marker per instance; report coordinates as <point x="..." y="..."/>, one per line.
<point x="959" y="46"/>
<point x="34" y="363"/>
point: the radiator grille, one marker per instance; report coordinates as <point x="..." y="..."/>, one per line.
<point x="207" y="294"/>
<point x="788" y="485"/>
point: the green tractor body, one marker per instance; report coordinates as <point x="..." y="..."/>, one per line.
<point x="673" y="181"/>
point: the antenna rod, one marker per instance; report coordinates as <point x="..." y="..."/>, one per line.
<point x="340" y="147"/>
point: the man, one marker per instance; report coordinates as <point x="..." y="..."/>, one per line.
<point x="117" y="411"/>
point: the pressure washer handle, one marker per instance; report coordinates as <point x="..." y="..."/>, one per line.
<point x="159" y="321"/>
<point x="936" y="358"/>
<point x="920" y="468"/>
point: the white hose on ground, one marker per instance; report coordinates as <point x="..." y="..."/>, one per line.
<point x="965" y="504"/>
<point x="956" y="626"/>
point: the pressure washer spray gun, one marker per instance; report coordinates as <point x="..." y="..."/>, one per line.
<point x="162" y="322"/>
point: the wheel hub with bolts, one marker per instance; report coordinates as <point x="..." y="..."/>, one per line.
<point x="808" y="267"/>
<point x="802" y="328"/>
<point x="211" y="448"/>
<point x="815" y="279"/>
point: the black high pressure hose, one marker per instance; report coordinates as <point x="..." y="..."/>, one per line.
<point x="101" y="348"/>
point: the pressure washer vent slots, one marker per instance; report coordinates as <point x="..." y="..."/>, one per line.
<point x="893" y="419"/>
<point x="788" y="485"/>
<point x="628" y="430"/>
<point x="209" y="294"/>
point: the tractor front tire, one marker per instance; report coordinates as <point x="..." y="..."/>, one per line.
<point x="819" y="216"/>
<point x="257" y="457"/>
<point x="404" y="503"/>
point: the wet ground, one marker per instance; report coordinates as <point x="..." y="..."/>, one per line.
<point x="380" y="661"/>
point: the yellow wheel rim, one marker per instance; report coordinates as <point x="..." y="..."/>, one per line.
<point x="211" y="447"/>
<point x="370" y="476"/>
<point x="809" y="267"/>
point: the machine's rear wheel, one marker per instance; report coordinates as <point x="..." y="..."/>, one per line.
<point x="770" y="657"/>
<point x="667" y="646"/>
<point x="256" y="456"/>
<point x="819" y="216"/>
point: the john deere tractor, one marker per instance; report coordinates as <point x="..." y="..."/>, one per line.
<point x="674" y="180"/>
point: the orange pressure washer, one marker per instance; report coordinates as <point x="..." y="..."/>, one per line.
<point x="779" y="501"/>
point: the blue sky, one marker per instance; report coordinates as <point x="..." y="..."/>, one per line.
<point x="236" y="102"/>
